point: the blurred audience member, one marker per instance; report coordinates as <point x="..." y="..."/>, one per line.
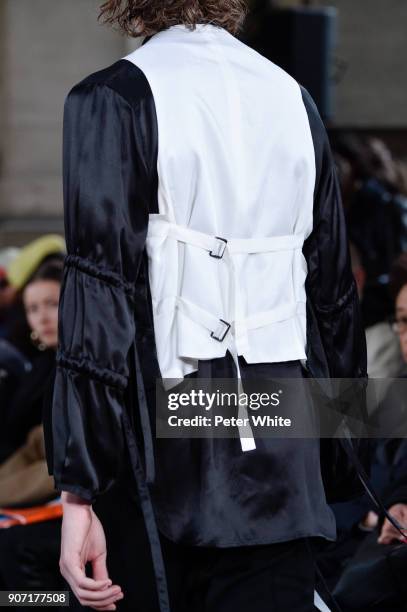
<point x="24" y="478"/>
<point x="398" y="291"/>
<point x="376" y="210"/>
<point x="384" y="358"/>
<point x="40" y="297"/>
<point x="19" y="270"/>
<point x="13" y="366"/>
<point x="29" y="553"/>
<point x="368" y="549"/>
<point x="357" y="269"/>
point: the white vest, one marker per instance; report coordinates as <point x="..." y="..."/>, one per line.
<point x="236" y="169"/>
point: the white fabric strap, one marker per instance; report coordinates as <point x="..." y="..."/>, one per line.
<point x="319" y="603"/>
<point x="246" y="436"/>
<point x="247" y="440"/>
<point x="286" y="242"/>
<point x="214" y="324"/>
<point x="220" y="329"/>
<point x="280" y="313"/>
<point x="217" y="245"/>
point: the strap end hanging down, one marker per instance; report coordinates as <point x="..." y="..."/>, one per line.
<point x="144" y="420"/>
<point x="149" y="517"/>
<point x="248" y="444"/>
<point x="247" y="440"/>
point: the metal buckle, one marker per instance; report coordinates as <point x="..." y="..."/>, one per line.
<point x="222" y="337"/>
<point x="220" y="252"/>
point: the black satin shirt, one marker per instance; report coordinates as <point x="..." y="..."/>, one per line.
<point x="204" y="492"/>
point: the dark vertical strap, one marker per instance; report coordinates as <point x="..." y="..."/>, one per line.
<point x="144" y="419"/>
<point x="331" y="598"/>
<point x="328" y="592"/>
<point x="149" y="518"/>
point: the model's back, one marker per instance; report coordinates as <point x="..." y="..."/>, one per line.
<point x="203" y="154"/>
<point x="235" y="160"/>
<point x="234" y="139"/>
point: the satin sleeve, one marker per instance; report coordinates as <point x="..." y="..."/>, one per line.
<point x="106" y="217"/>
<point x="336" y="336"/>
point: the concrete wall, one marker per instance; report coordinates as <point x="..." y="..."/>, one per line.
<point x="47" y="47"/>
<point x="373" y="43"/>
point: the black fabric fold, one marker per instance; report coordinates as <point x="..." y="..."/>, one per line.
<point x="336" y="343"/>
<point x="85" y="366"/>
<point x="93" y="270"/>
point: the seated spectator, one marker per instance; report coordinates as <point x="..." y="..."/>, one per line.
<point x="368" y="549"/>
<point x="375" y="204"/>
<point x="396" y="494"/>
<point x="24" y="478"/>
<point x="13" y="366"/>
<point x="19" y="268"/>
<point x="384" y="358"/>
<point x="40" y="297"/>
<point x="29" y="553"/>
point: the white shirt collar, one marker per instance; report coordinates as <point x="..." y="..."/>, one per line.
<point x="200" y="29"/>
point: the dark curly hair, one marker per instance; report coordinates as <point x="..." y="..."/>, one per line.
<point x="147" y="17"/>
<point x="50" y="268"/>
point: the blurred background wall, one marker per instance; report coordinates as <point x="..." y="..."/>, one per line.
<point x="48" y="46"/>
<point x="372" y="42"/>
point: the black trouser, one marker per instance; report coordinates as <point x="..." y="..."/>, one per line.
<point x="248" y="579"/>
<point x="270" y="578"/>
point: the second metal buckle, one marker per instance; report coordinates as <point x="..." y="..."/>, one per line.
<point x="220" y="338"/>
<point x="221" y="250"/>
